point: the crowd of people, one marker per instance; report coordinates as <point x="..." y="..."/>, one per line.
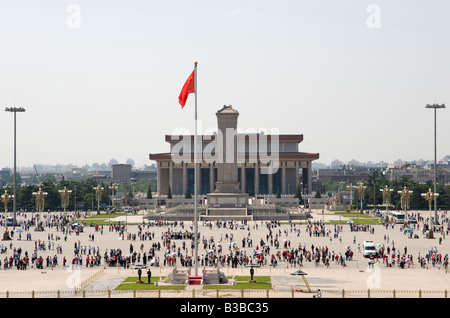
<point x="281" y="245"/>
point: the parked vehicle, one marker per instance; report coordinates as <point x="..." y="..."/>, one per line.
<point x="412" y="221"/>
<point x="397" y="217"/>
<point x="369" y="249"/>
<point x="10" y="221"/>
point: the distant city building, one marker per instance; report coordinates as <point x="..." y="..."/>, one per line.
<point x="5" y="172"/>
<point x="418" y="170"/>
<point x="147" y="172"/>
<point x="130" y="162"/>
<point x="446" y="160"/>
<point x="121" y="173"/>
<point x="418" y="173"/>
<point x="344" y="175"/>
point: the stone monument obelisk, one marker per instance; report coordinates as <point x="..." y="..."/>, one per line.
<point x="227" y="200"/>
<point x="226" y="150"/>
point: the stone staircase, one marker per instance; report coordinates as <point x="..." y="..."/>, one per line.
<point x="178" y="276"/>
<point x="195" y="280"/>
<point x="211" y="276"/>
<point x="238" y="214"/>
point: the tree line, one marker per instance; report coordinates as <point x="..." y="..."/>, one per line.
<point x="82" y="194"/>
<point x="374" y="197"/>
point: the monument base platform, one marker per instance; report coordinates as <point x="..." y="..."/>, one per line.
<point x="225" y="206"/>
<point x="227" y="188"/>
<point x="226" y="217"/>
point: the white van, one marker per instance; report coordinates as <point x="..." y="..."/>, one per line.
<point x="10" y="221"/>
<point x="369" y="249"/>
<point x="129" y="209"/>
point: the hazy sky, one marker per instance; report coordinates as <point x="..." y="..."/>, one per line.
<point x="101" y="79"/>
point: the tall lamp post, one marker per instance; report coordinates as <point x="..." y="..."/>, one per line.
<point x="40" y="202"/>
<point x="361" y="189"/>
<point x="435" y="107"/>
<point x="112" y="187"/>
<point x="98" y="194"/>
<point x="406" y="198"/>
<point x="430" y="197"/>
<point x="65" y="193"/>
<point x="6" y="197"/>
<point x="14" y="110"/>
<point x="386" y="197"/>
<point x="351" y="187"/>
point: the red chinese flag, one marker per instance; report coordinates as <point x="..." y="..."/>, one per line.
<point x="188" y="87"/>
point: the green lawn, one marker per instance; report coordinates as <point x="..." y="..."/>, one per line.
<point x="133" y="279"/>
<point x="130" y="283"/>
<point x="103" y="215"/>
<point x="359" y="218"/>
<point x="145" y="286"/>
<point x="247" y="278"/>
<point x="369" y="221"/>
<point x="104" y="219"/>
<point x="354" y="215"/>
<point x="242" y="282"/>
<point x="366" y="220"/>
<point x="106" y="222"/>
<point x="248" y="285"/>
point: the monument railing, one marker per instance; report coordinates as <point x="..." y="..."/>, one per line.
<point x="232" y="293"/>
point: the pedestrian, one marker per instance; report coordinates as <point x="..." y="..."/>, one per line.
<point x="319" y="293"/>
<point x="149" y="275"/>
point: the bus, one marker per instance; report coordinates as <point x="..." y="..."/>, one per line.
<point x="397" y="217"/>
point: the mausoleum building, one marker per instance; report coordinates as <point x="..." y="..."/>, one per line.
<point x="255" y="163"/>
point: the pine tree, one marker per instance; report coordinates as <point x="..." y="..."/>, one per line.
<point x="149" y="192"/>
<point x="169" y="194"/>
<point x="298" y="194"/>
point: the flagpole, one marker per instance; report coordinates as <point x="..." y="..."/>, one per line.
<point x="195" y="179"/>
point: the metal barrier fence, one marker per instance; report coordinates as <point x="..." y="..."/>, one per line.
<point x="227" y="293"/>
<point x="89" y="280"/>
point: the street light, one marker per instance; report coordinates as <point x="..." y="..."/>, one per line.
<point x="6" y="197"/>
<point x="112" y="187"/>
<point x="361" y="189"/>
<point x="351" y="187"/>
<point x="406" y="198"/>
<point x="435" y="106"/>
<point x="14" y="110"/>
<point x="386" y="197"/>
<point x="40" y="202"/>
<point x="430" y="197"/>
<point x="98" y="193"/>
<point x="65" y="198"/>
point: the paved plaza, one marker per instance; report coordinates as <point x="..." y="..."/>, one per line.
<point x="355" y="275"/>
